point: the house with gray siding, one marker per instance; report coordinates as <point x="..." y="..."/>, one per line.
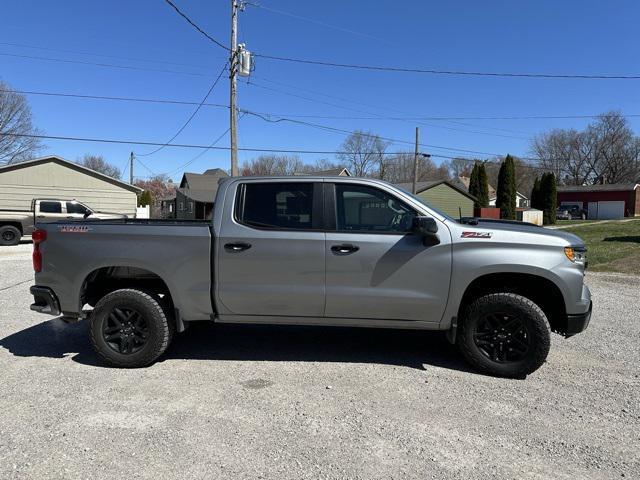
<point x="54" y="177"/>
<point x="195" y="196"/>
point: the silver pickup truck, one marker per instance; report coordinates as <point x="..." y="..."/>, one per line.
<point x="316" y="251"/>
<point x="14" y="224"/>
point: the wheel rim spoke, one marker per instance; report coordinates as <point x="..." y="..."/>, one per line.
<point x="502" y="337"/>
<point x="125" y="330"/>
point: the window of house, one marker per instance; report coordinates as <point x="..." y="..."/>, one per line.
<point x="181" y="206"/>
<point x="190" y="207"/>
<point x="50" y="207"/>
<point x="276" y="205"/>
<point x="171" y="208"/>
<point x="368" y="209"/>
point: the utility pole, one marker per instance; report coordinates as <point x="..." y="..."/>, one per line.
<point x="415" y="162"/>
<point x="233" y="69"/>
<point x="131" y="157"/>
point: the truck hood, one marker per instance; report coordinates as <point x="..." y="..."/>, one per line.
<point x="516" y="232"/>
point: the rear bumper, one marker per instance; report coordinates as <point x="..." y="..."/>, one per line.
<point x="44" y="300"/>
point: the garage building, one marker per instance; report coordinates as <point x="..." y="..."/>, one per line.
<point x="444" y="196"/>
<point x="55" y="177"/>
<point x="603" y="201"/>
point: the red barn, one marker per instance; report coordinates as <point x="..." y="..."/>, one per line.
<point x="603" y="201"/>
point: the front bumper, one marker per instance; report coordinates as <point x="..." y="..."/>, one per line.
<point x="577" y="323"/>
<point x="45" y="300"/>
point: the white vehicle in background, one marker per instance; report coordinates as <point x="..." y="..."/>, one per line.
<point x="14" y="224"/>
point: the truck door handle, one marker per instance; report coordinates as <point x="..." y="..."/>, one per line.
<point x="237" y="247"/>
<point x="70" y="218"/>
<point x="345" y="248"/>
<point x="40" y="216"/>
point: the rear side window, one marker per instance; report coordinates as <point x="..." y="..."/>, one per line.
<point x="75" y="207"/>
<point x="50" y="207"/>
<point x="287" y="206"/>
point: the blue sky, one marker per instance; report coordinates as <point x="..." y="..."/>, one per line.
<point x="173" y="61"/>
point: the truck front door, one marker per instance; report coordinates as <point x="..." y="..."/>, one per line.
<point x="270" y="251"/>
<point x="376" y="268"/>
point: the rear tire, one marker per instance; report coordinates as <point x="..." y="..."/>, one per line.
<point x="9" y="235"/>
<point x="504" y="335"/>
<point x="130" y="329"/>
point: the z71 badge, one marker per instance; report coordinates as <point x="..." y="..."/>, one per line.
<point x="74" y="229"/>
<point x="476" y="235"/>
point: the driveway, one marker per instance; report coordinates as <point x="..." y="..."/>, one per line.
<point x="236" y="402"/>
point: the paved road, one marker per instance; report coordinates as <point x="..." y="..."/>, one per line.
<point x="239" y="402"/>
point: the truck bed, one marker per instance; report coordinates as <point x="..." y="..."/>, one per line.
<point x="178" y="252"/>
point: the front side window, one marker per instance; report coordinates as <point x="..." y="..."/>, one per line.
<point x="367" y="209"/>
<point x="50" y="207"/>
<point x="276" y="205"/>
<point x="75" y="207"/>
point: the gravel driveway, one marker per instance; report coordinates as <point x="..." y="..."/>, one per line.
<point x="299" y="402"/>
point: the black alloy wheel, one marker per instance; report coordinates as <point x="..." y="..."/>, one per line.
<point x="125" y="331"/>
<point x="503" y="338"/>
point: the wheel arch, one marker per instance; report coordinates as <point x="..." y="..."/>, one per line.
<point x="540" y="290"/>
<point x="103" y="280"/>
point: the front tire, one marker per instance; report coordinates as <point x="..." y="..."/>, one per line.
<point x="129" y="329"/>
<point x="504" y="335"/>
<point x="9" y="235"/>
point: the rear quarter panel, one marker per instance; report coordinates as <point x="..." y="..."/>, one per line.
<point x="180" y="255"/>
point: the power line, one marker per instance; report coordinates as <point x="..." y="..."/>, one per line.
<point x="186" y="145"/>
<point x="96" y="64"/>
<point x="323" y="24"/>
<point x="351" y="132"/>
<point x="193" y="24"/>
<point x="295" y="115"/>
<point x="215" y="82"/>
<point x="373" y="113"/>
<point x="449" y="72"/>
<point x="321" y="117"/>
<point x="120" y="99"/>
<point x="117" y="57"/>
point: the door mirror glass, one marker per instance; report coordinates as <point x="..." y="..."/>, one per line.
<point x="425" y="226"/>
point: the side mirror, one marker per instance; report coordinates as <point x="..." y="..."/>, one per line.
<point x="427" y="228"/>
<point x="86" y="214"/>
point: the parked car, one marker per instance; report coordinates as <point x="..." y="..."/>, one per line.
<point x="571" y="212"/>
<point x="15" y="224"/>
<point x="335" y="251"/>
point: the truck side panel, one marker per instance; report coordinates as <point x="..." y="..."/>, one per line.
<point x="178" y="253"/>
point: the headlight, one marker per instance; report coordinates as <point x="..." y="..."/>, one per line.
<point x="576" y="254"/>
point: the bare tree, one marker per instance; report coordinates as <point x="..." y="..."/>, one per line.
<point x="399" y="169"/>
<point x="99" y="164"/>
<point x="605" y="152"/>
<point x="15" y="119"/>
<point x="271" y="165"/>
<point x="363" y="153"/>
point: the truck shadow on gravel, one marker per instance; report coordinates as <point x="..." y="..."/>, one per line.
<point x="208" y="341"/>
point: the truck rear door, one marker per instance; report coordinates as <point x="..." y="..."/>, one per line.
<point x="271" y="249"/>
<point x="47" y="211"/>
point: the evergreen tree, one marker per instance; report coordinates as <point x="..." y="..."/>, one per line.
<point x="548" y="198"/>
<point x="145" y="198"/>
<point x="506" y="193"/>
<point x="535" y="194"/>
<point x="474" y="185"/>
<point x="483" y="188"/>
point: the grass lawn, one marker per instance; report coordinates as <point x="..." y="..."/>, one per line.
<point x="560" y="223"/>
<point x="612" y="246"/>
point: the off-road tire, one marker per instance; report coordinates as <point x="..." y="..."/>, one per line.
<point x="537" y="329"/>
<point x="158" y="323"/>
<point x="9" y="235"/>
